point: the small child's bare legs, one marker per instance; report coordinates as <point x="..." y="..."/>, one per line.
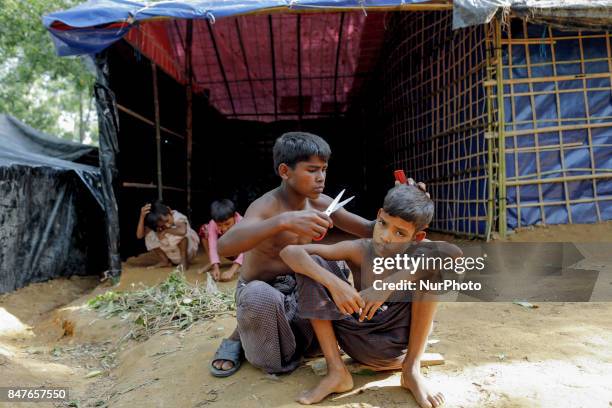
<point x="182" y="245"/>
<point x="163" y="260"/>
<point x="338" y="378"/>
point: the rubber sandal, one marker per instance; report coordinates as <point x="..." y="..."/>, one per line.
<point x="229" y="350"/>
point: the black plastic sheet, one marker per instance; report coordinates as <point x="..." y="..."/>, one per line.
<point x="50" y="207"/>
<point x="108" y="123"/>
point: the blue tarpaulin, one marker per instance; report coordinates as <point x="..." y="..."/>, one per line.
<point x="561" y="84"/>
<point x="577" y="14"/>
<point x="93" y="26"/>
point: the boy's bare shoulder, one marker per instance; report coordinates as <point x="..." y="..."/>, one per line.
<point x="443" y="248"/>
<point x="357" y="248"/>
<point x="321" y="203"/>
<point x="266" y="206"/>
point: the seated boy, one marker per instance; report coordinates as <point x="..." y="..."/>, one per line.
<point x="224" y="216"/>
<point x="385" y="335"/>
<point x="167" y="233"/>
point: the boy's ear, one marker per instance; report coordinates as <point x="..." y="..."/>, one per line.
<point x="378" y="213"/>
<point x="283" y="171"/>
<point x="419" y="236"/>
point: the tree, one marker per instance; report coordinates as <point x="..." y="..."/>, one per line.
<point x="47" y="92"/>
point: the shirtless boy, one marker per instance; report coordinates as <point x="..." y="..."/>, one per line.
<point x="272" y="338"/>
<point x="385" y="338"/>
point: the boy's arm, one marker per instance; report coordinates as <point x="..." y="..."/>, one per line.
<point x="255" y="228"/>
<point x="353" y="223"/>
<point x="298" y="258"/>
<point x="248" y="234"/>
<point x="141" y="230"/>
<point x="213" y="238"/>
<point x="347" y="221"/>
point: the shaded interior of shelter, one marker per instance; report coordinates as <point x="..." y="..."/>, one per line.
<point x="250" y="85"/>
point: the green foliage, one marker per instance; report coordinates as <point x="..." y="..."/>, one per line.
<point x="174" y="304"/>
<point x="47" y="92"/>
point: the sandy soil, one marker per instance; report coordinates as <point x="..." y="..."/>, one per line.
<point x="497" y="355"/>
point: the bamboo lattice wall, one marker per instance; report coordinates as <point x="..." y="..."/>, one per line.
<point x="550" y="162"/>
<point x="558" y="125"/>
<point x="434" y="114"/>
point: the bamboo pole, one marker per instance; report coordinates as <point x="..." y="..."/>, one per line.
<point x="489" y="142"/>
<point x="501" y="121"/>
<point x="599" y="118"/>
<point x="545" y="173"/>
<point x="558" y="108"/>
<point x="556" y="78"/>
<point x="513" y="108"/>
<point x="564" y="62"/>
<point x="542" y="148"/>
<point x="564" y="179"/>
<point x="560" y="128"/>
<point x="189" y="118"/>
<point x="147" y="121"/>
<point x="127" y="184"/>
<point x="561" y="91"/>
<point x="576" y="201"/>
<point x="157" y="132"/>
<point x="589" y="131"/>
<point x="536" y="135"/>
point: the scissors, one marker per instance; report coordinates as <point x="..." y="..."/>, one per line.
<point x="334" y="206"/>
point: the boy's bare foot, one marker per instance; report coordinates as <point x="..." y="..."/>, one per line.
<point x="226" y="276"/>
<point x="338" y="380"/>
<point x="413" y="380"/>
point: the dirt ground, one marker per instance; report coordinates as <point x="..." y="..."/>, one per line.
<point x="497" y="354"/>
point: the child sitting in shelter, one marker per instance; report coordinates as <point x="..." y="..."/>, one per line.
<point x="167" y="233"/>
<point x="376" y="328"/>
<point x="224" y="216"/>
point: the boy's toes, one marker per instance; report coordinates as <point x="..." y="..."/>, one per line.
<point x="436" y="400"/>
<point x="223" y="365"/>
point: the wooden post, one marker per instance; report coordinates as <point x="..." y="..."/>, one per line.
<point x="274" y="88"/>
<point x="189" y="124"/>
<point x="157" y="132"/>
<point x="501" y="123"/>
<point x="491" y="182"/>
<point x="299" y="68"/>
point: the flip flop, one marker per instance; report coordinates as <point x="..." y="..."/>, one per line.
<point x="229" y="350"/>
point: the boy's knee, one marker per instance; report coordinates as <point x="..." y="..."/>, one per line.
<point x="337" y="268"/>
<point x="256" y="298"/>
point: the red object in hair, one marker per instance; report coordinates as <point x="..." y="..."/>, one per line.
<point x="400" y="176"/>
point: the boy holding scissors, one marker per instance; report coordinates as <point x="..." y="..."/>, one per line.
<point x="268" y="331"/>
